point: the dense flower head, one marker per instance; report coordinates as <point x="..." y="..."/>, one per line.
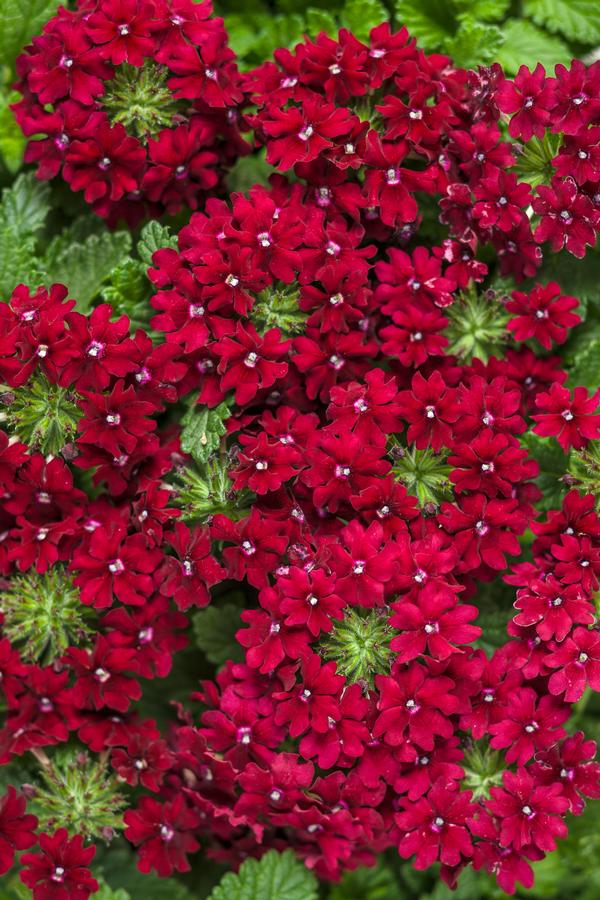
<point x="135" y="104"/>
<point x="326" y="445"/>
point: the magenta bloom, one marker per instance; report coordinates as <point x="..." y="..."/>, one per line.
<point x="60" y="871"/>
<point x="437" y="827"/>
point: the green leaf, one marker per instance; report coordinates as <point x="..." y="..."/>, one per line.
<point x="277" y="876"/>
<point x="318" y="20"/>
<point x="25" y="205"/>
<point x="376" y="883"/>
<point x="360" y="16"/>
<point x="474" y="44"/>
<point x="578" y="20"/>
<point x="524" y="42"/>
<point x="214" y="632"/>
<point x="12" y="139"/>
<point x="250" y="170"/>
<point x="430" y="21"/>
<point x="534" y="165"/>
<point x="23" y="211"/>
<point x="487" y="10"/>
<point x="553" y="465"/>
<point x="203" y="429"/>
<point x="84" y="267"/>
<point x="21" y="20"/>
<point x="117" y="866"/>
<point x="585" y="370"/>
<point x="128" y="291"/>
<point x="153" y="237"/>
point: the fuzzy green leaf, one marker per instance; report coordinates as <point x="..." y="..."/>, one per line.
<point x="153" y="237"/>
<point x="318" y="20"/>
<point x="128" y="291"/>
<point x="277" y="876"/>
<point x="534" y="165"/>
<point x="553" y="465"/>
<point x="20" y="20"/>
<point x="360" y="16"/>
<point x="430" y="21"/>
<point x="203" y="429"/>
<point x="214" y="632"/>
<point x="474" y="43"/>
<point x="486" y="10"/>
<point x="117" y="866"/>
<point x="23" y="210"/>
<point x="585" y="370"/>
<point x="25" y="205"/>
<point x="578" y="20"/>
<point x="524" y="42"/>
<point x="12" y="140"/>
<point x="85" y="267"/>
<point x="377" y="883"/>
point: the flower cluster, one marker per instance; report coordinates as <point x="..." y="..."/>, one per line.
<point x="354" y="460"/>
<point x="134" y="103"/>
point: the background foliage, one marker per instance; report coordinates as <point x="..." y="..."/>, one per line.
<point x="46" y="236"/>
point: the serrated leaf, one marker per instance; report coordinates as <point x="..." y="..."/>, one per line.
<point x="578" y="20"/>
<point x="430" y="21"/>
<point x="84" y="267"/>
<point x="276" y="876"/>
<point x="23" y="210"/>
<point x="25" y="205"/>
<point x="128" y="292"/>
<point x="534" y="165"/>
<point x="214" y="632"/>
<point x="318" y="20"/>
<point x="553" y="465"/>
<point x="249" y="170"/>
<point x="117" y="866"/>
<point x="486" y="10"/>
<point x="20" y="20"/>
<point x="203" y="429"/>
<point x="474" y="44"/>
<point x="360" y="16"/>
<point x="376" y="883"/>
<point x="12" y="140"/>
<point x="585" y="370"/>
<point x="153" y="237"/>
<point x="524" y="42"/>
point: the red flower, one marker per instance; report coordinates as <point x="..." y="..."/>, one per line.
<point x="572" y="764"/>
<point x="309" y="599"/>
<point x="572" y="421"/>
<point x="529" y="813"/>
<point x="60" y="871"/>
<point x="249" y="362"/>
<point x="544" y="314"/>
<point x="414" y="706"/>
<point x="436" y="626"/>
<point x="188" y="577"/>
<point x="17" y="829"/>
<point x="528" y="725"/>
<point x="568" y="218"/>
<point x="163" y="834"/>
<point x="437" y="827"/>
<point x="312" y="702"/>
<point x="431" y="409"/>
<point x="301" y="134"/>
<point x="123" y="30"/>
<point x="577" y="660"/>
<point x="100" y="676"/>
<point x="105" y="166"/>
<point x="115" y="566"/>
<point x="114" y="421"/>
<point x="530" y="99"/>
